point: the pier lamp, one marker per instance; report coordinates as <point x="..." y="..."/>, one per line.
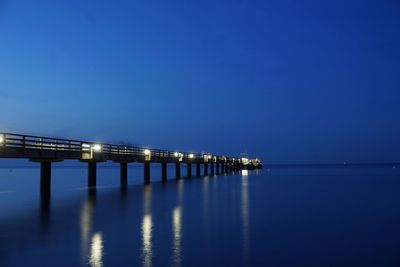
<point x="96" y="148"/>
<point x="147" y="154"/>
<point x="179" y="156"/>
<point x="191" y="156"/>
<point x="1" y="139"/>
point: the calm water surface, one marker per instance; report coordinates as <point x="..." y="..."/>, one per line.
<point x="281" y="216"/>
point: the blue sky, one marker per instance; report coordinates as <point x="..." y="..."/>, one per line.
<point x="288" y="81"/>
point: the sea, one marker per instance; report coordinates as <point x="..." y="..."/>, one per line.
<point x="278" y="216"/>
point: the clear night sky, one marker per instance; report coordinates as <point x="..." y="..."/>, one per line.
<point x="288" y="81"/>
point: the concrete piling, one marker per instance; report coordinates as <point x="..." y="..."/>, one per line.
<point x="45" y="178"/>
<point x="178" y="171"/>
<point x="189" y="169"/>
<point x="92" y="174"/>
<point x="146" y="172"/>
<point x="164" y="171"/>
<point x="198" y="168"/>
<point x="124" y="173"/>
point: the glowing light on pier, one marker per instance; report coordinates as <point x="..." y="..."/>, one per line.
<point x="191" y="156"/>
<point x="245" y="160"/>
<point x="96" y="147"/>
<point x="207" y="157"/>
<point x="146" y="152"/>
<point x="179" y="156"/>
<point x="2" y="139"/>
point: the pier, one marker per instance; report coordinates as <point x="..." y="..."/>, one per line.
<point x="46" y="150"/>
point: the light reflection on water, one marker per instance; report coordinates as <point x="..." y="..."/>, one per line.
<point x="205" y="196"/>
<point x="96" y="250"/>
<point x="86" y="222"/>
<point x="177" y="227"/>
<point x="92" y="245"/>
<point x="147" y="251"/>
<point x="147" y="228"/>
<point x="245" y="218"/>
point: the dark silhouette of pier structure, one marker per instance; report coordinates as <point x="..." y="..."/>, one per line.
<point x="45" y="151"/>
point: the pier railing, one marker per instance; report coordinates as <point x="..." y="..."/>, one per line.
<point x="19" y="142"/>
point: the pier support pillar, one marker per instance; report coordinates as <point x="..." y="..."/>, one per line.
<point x="212" y="169"/>
<point x="205" y="169"/>
<point x="178" y="171"/>
<point x="124" y="174"/>
<point x="222" y="167"/>
<point x="45" y="178"/>
<point x="92" y="174"/>
<point x="198" y="169"/>
<point x="146" y="173"/>
<point x="164" y="171"/>
<point x="189" y="170"/>
<point x="217" y="168"/>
